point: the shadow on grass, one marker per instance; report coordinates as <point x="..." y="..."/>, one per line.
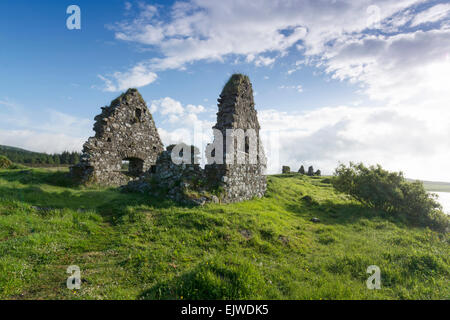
<point x="219" y="279"/>
<point x="110" y="203"/>
<point x="35" y="176"/>
<point x="331" y="213"/>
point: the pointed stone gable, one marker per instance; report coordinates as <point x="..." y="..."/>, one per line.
<point x="125" y="135"/>
<point x="239" y="181"/>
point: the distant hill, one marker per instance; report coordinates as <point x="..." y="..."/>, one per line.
<point x="435" y="186"/>
<point x="27" y="157"/>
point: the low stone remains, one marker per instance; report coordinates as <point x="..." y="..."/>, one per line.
<point x="125" y="135"/>
<point x="302" y="170"/>
<point x="310" y="171"/>
<point x="285" y="169"/>
<point x="125" y="131"/>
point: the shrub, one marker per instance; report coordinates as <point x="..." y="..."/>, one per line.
<point x="390" y="192"/>
<point x="5" y="163"/>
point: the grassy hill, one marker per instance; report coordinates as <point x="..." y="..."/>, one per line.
<point x="39" y="159"/>
<point x="131" y="246"/>
<point x="437" y="186"/>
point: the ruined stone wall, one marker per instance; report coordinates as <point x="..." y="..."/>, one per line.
<point x="239" y="181"/>
<point x="184" y="183"/>
<point x="124" y="131"/>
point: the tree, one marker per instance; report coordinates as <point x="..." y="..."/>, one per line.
<point x="310" y="171"/>
<point x="56" y="159"/>
<point x="390" y="192"/>
<point x="302" y="170"/>
<point x="318" y="173"/>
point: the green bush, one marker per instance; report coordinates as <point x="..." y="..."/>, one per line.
<point x="391" y="193"/>
<point x="5" y="163"/>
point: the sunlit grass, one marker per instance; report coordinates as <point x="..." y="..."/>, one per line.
<point x="132" y="246"/>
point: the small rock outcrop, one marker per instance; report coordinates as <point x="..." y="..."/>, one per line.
<point x="302" y="170"/>
<point x="285" y="169"/>
<point x="125" y="146"/>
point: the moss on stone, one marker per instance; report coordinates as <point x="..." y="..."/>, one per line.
<point x="233" y="84"/>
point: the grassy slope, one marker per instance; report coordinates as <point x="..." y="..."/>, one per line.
<point x="130" y="246"/>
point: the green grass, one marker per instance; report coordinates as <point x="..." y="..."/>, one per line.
<point x="131" y="246"/>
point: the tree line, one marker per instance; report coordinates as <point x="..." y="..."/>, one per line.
<point x="35" y="158"/>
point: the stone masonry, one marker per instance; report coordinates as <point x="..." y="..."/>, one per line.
<point x="124" y="132"/>
<point x="245" y="180"/>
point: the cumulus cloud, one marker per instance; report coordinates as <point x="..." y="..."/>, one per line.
<point x="138" y="76"/>
<point x="195" y="109"/>
<point x="211" y="30"/>
<point x="167" y="106"/>
<point x="398" y="68"/>
<point x="433" y="14"/>
<point x="396" y="51"/>
<point x="397" y="138"/>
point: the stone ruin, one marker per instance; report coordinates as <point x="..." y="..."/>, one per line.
<point x="242" y="180"/>
<point x="125" y="131"/>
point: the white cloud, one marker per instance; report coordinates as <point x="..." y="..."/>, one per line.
<point x="138" y="76"/>
<point x="399" y="68"/>
<point x="264" y="61"/>
<point x="433" y="14"/>
<point x="195" y="109"/>
<point x="399" y="139"/>
<point x="167" y="106"/>
<point x="299" y="87"/>
<point x="212" y="30"/>
<point x="402" y="64"/>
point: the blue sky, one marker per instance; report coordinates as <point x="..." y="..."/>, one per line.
<point x="333" y="80"/>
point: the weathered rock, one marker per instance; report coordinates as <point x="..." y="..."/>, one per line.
<point x="302" y="170"/>
<point x="315" y="220"/>
<point x="285" y="169"/>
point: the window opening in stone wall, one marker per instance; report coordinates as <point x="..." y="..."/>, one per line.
<point x="133" y="167"/>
